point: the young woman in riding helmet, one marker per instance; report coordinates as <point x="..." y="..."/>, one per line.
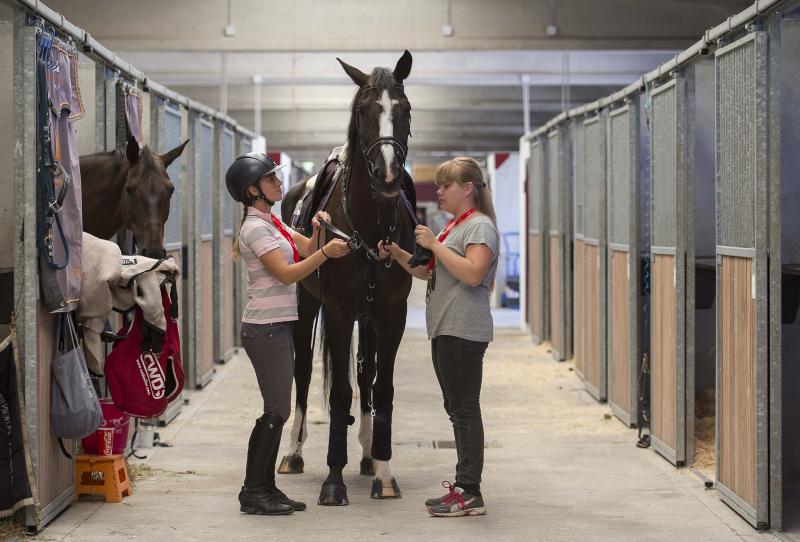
<point x="272" y="253"/>
<point x="458" y="317"/>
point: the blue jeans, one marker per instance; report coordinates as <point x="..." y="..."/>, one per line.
<point x="458" y="364"/>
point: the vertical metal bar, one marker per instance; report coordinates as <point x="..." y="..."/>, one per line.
<point x="26" y="277"/>
<point x="526" y="103"/>
<point x="189" y="242"/>
<point x="217" y="258"/>
<point x="257" y="105"/>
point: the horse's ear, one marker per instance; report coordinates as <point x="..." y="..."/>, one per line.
<point x="132" y="151"/>
<point x="358" y="77"/>
<point x="170" y="157"/>
<point x="403" y="68"/>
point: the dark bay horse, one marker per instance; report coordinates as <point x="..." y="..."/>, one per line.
<point x="357" y="288"/>
<point x="128" y="188"/>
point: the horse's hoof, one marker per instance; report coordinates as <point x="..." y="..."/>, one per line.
<point x="385" y="489"/>
<point x="333" y="495"/>
<point x="367" y="467"/>
<point x="291" y="464"/>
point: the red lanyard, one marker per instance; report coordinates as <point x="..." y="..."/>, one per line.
<point x="279" y="225"/>
<point x="446" y="231"/>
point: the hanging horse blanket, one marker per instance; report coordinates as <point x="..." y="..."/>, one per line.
<point x="17" y="488"/>
<point x="112" y="281"/>
<point x="66" y="106"/>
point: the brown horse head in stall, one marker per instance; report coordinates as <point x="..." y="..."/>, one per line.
<point x="128" y="188"/>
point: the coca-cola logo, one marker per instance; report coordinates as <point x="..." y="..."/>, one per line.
<point x="153" y="374"/>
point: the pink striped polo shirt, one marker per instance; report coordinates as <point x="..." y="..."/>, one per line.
<point x="268" y="300"/>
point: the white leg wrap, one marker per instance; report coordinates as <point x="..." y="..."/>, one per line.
<point x="382" y="470"/>
<point x="365" y="434"/>
<point x="298" y="433"/>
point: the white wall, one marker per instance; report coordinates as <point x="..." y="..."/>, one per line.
<point x="504" y="182"/>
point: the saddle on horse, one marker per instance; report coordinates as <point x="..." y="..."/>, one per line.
<point x="321" y="187"/>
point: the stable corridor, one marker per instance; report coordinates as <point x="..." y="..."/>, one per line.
<point x="559" y="466"/>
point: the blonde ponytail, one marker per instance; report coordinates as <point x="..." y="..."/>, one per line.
<point x="236" y="252"/>
<point x="462" y="170"/>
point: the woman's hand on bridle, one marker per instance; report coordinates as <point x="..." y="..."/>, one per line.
<point x="335" y="248"/>
<point x="321" y="215"/>
<point x="424" y="237"/>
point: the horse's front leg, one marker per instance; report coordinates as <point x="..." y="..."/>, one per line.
<point x="365" y="377"/>
<point x="308" y="308"/>
<point x="338" y="334"/>
<point x="389" y="330"/>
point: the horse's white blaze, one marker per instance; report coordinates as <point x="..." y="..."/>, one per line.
<point x="386" y="129"/>
<point x="299" y="424"/>
<point x="382" y="470"/>
<point x="365" y="434"/>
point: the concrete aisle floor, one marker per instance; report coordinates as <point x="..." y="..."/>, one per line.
<point x="557" y="468"/>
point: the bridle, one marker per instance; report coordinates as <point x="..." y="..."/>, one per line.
<point x="366" y="150"/>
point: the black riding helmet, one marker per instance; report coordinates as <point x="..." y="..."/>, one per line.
<point x="246" y="171"/>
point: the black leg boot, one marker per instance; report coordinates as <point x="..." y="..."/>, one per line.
<point x="254" y="497"/>
<point x="269" y="477"/>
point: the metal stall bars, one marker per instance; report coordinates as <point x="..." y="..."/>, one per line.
<point x="668" y="265"/>
<point x="626" y="202"/>
<point x="558" y="175"/>
<point x="168" y="130"/>
<point x="592" y="317"/>
<point x="743" y="228"/>
<point x="682" y="203"/>
<point x="537" y="241"/>
<point x="199" y="366"/>
<point x="224" y="342"/>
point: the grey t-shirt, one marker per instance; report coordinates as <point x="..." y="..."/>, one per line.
<point x="453" y="307"/>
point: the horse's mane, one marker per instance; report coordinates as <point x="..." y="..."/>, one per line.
<point x="380" y="78"/>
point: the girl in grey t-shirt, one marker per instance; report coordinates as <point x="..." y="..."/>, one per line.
<point x="458" y="317"/>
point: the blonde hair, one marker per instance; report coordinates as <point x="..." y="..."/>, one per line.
<point x="462" y="170"/>
<point x="236" y="252"/>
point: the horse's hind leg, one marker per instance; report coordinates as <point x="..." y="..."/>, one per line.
<point x="389" y="331"/>
<point x="338" y="334"/>
<point x="365" y="378"/>
<point x="308" y="308"/>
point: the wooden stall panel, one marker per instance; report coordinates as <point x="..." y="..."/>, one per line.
<point x="535" y="300"/>
<point x="55" y="474"/>
<point x="619" y="393"/>
<point x="592" y="318"/>
<point x="580" y="311"/>
<point x="737" y="386"/>
<point x="664" y="351"/>
<point x="556" y="310"/>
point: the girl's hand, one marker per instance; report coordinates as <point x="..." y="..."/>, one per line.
<point x="385" y="250"/>
<point x="424" y="236"/>
<point x="336" y="248"/>
<point x="321" y="215"/>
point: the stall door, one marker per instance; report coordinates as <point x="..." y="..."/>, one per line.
<point x="742" y="281"/>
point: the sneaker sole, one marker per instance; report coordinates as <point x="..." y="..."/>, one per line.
<point x="458" y="513"/>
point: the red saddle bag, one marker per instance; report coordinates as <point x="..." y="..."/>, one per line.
<point x="144" y="370"/>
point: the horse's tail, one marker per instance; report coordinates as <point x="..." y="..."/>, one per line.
<point x="327" y="361"/>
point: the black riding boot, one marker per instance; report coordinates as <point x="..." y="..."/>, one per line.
<point x="269" y="477"/>
<point x="254" y="497"/>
